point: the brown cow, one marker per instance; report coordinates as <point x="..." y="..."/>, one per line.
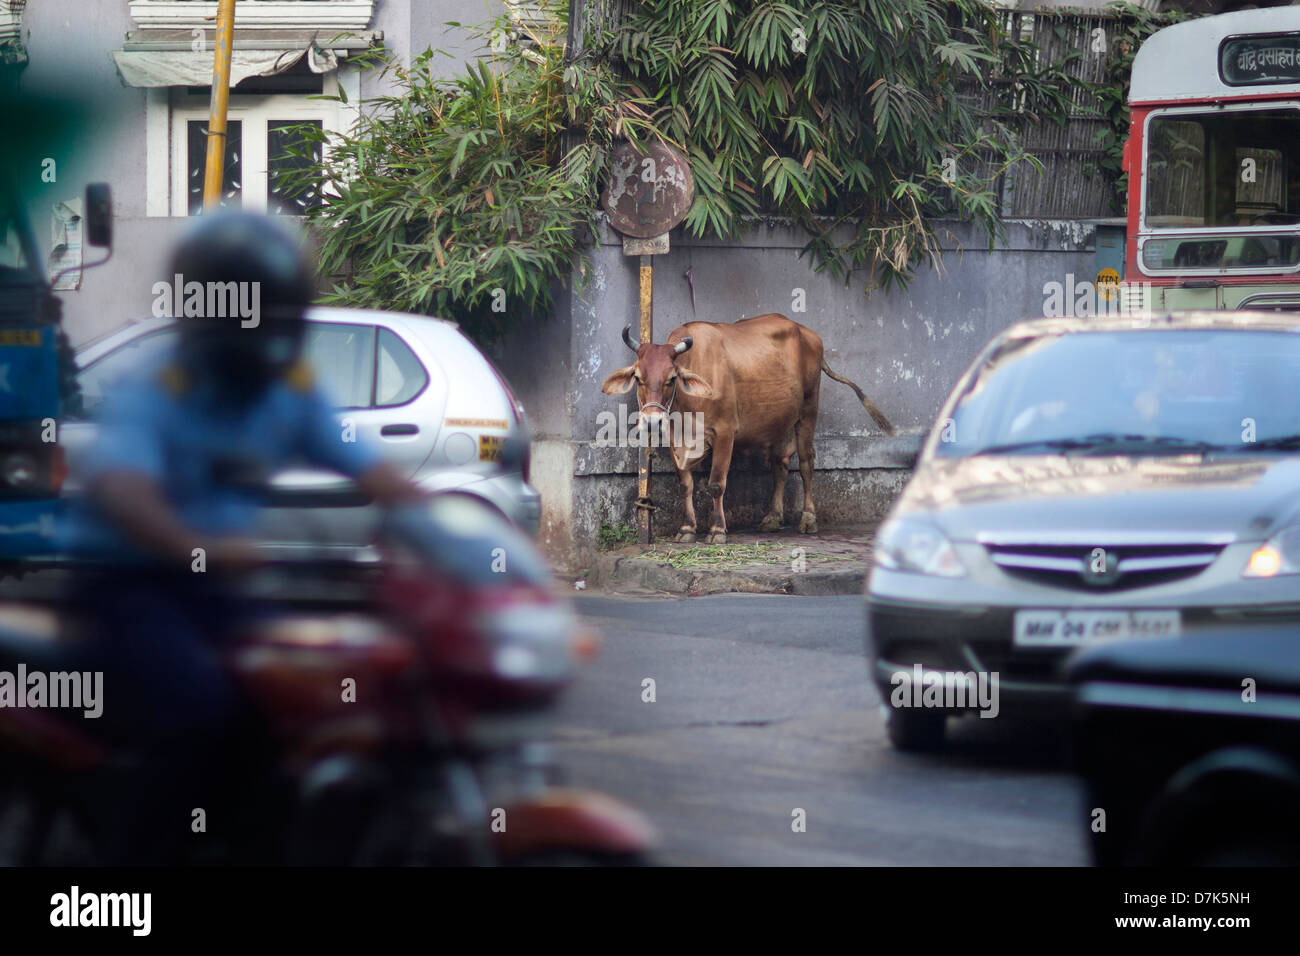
<point x="756" y="384"/>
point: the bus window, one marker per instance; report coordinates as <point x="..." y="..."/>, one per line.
<point x="1260" y="185"/>
<point x="1228" y="168"/>
<point x="1176" y="173"/>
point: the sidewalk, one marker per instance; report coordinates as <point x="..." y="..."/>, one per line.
<point x="786" y="562"/>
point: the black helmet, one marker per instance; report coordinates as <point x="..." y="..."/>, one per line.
<point x="242" y="324"/>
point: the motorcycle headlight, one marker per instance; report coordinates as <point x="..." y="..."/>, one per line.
<point x="908" y="545"/>
<point x="1278" y="555"/>
<point x="530" y="640"/>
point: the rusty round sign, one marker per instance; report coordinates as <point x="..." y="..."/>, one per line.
<point x="650" y="190"/>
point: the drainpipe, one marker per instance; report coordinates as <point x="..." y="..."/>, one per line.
<point x="216" y="158"/>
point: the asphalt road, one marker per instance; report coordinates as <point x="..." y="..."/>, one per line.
<point x="762" y="707"/>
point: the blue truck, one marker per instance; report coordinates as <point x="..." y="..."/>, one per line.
<point x="37" y="376"/>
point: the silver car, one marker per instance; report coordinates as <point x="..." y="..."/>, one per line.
<point x="1088" y="480"/>
<point x="411" y="385"/>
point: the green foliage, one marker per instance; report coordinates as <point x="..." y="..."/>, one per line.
<point x="457" y="195"/>
<point x="841" y="112"/>
<point x="610" y="537"/>
<point x="861" y="121"/>
<point x="1132" y="25"/>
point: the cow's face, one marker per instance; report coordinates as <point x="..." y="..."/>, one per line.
<point x="657" y="379"/>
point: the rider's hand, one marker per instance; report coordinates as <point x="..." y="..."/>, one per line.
<point x="388" y="486"/>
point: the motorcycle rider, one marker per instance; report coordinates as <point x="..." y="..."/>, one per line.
<point x="171" y="489"/>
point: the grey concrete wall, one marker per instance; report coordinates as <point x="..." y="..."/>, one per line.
<point x="456" y="45"/>
<point x="905" y="348"/>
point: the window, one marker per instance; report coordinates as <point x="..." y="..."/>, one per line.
<point x="359" y="366"/>
<point x="1195" y="385"/>
<point x="1230" y="179"/>
<point x="265" y="137"/>
<point x="1176" y="174"/>
<point x="288" y="149"/>
<point x="342" y="357"/>
<point x="196" y="162"/>
<point x="1223" y="169"/>
<point x="99" y="378"/>
<point x="354" y="367"/>
<point x="400" y="376"/>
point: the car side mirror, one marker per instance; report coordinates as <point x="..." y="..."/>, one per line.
<point x="98" y="213"/>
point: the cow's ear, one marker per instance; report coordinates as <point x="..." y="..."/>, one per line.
<point x="694" y="385"/>
<point x="620" y="381"/>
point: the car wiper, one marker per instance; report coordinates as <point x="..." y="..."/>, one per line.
<point x="1105" y="440"/>
<point x="1172" y="442"/>
<point x="1050" y="444"/>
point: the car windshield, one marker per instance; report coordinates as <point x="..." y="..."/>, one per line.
<point x="1142" y="392"/>
<point x="98" y="379"/>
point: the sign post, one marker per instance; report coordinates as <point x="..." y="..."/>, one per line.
<point x="650" y="191"/>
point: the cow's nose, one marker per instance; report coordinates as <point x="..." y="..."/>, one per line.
<point x="652" y="421"/>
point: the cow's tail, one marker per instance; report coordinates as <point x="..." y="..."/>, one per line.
<point x="876" y="414"/>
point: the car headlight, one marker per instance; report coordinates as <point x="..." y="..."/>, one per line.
<point x="1280" y="554"/>
<point x="907" y="545"/>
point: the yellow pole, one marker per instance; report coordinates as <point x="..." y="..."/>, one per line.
<point x="646" y="528"/>
<point x="216" y="158"/>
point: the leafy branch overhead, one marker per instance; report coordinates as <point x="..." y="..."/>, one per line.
<point x="458" y="197"/>
<point x="862" y="121"/>
<point x="872" y="115"/>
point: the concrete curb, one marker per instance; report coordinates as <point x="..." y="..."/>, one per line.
<point x="633" y="575"/>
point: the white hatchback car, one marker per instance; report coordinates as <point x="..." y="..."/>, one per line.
<point x="412" y="385"/>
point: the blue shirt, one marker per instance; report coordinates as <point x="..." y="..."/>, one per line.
<point x="186" y="441"/>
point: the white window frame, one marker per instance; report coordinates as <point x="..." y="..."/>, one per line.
<point x="168" y="111"/>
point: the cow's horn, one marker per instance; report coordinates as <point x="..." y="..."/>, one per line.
<point x="627" y="337"/>
<point x="684" y="345"/>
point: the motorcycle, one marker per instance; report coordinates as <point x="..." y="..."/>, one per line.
<point x="406" y="701"/>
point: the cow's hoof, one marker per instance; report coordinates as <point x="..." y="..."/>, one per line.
<point x="808" y="523"/>
<point x="717" y="537"/>
<point x="685" y="537"/>
<point x="770" y="523"/>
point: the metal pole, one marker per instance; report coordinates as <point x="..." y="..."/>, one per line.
<point x="646" y="455"/>
<point x="216" y="157"/>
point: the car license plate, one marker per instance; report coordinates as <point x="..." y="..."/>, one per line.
<point x="489" y="447"/>
<point x="1042" y="627"/>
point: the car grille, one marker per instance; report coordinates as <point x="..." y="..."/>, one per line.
<point x="1128" y="566"/>
<point x="1014" y="664"/>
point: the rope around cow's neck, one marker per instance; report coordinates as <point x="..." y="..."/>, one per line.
<point x="665" y="408"/>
